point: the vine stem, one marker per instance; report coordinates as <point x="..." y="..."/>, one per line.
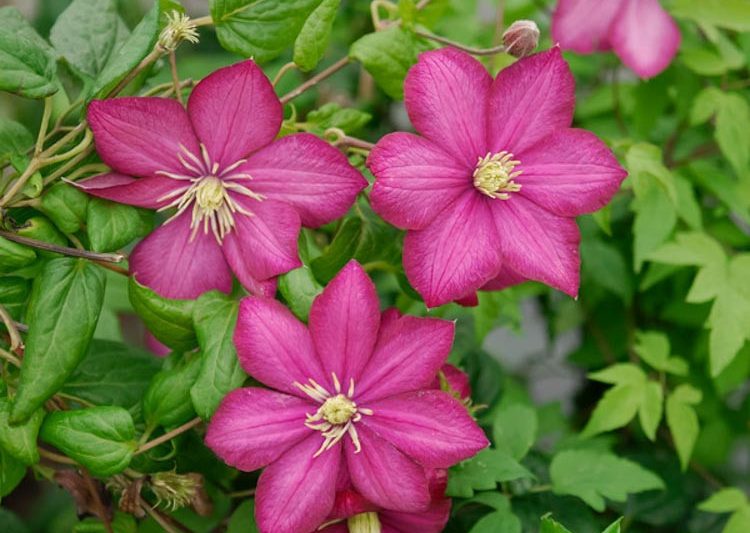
<point x="175" y="76"/>
<point x="468" y="49"/>
<point x="44" y="125"/>
<point x="74" y="252"/>
<point x="337" y="137"/>
<point x="168" y="436"/>
<point x="312" y="82"/>
<point x="155" y="54"/>
<point x="56" y="457"/>
<point x="15" y="337"/>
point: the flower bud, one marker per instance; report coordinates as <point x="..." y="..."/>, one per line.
<point x="521" y="38"/>
<point x="364" y="523"/>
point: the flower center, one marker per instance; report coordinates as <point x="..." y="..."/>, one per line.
<point x="337" y="414"/>
<point x="207" y="190"/>
<point x="494" y="175"/>
<point x="364" y="523"/>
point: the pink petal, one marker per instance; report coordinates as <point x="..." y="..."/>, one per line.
<point x="338" y="527"/>
<point x="252" y="427"/>
<point x="415" y="179"/>
<point x="456" y="379"/>
<point x="584" y="25"/>
<point x="446" y="97"/>
<point x="235" y="111"/>
<point x="265" y="244"/>
<point x="274" y="347"/>
<point x="344" y="323"/>
<point x="429" y="426"/>
<point x="645" y="37"/>
<point x="384" y="475"/>
<point x="570" y="173"/>
<point x="308" y="174"/>
<point x="296" y="492"/>
<point x="507" y="277"/>
<point x="407" y="356"/>
<point x="143" y="192"/>
<point x="454" y="255"/>
<point x="539" y="245"/>
<point x="432" y="520"/>
<point x="154" y="346"/>
<point x="173" y="265"/>
<point x="139" y="136"/>
<point x="529" y="100"/>
<point x="470" y="300"/>
<point x="350" y="502"/>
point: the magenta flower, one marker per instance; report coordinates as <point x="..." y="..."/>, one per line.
<point x="352" y="513"/>
<point x="490" y="189"/>
<point x="641" y="33"/>
<point x="238" y="196"/>
<point x="351" y="399"/>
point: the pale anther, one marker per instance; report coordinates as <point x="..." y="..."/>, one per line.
<point x="494" y="175"/>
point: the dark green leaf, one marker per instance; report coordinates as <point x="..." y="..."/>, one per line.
<point x="299" y="288"/>
<point x="65" y="206"/>
<point x="312" y="40"/>
<point x="14" y="255"/>
<point x="498" y="522"/>
<point x="483" y="472"/>
<point x="550" y="525"/>
<point x="11" y="473"/>
<point x="514" y="429"/>
<point x="63" y="311"/>
<point x="339" y="252"/>
<point x="332" y="115"/>
<point x="20" y="440"/>
<point x="111" y="226"/>
<point x="170" y="321"/>
<point x="100" y="438"/>
<point x="243" y="518"/>
<point x="14" y="292"/>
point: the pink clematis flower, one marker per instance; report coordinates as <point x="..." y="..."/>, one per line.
<point x="352" y="513"/>
<point x="490" y="190"/>
<point x="238" y="195"/>
<point x="351" y="392"/>
<point x="641" y="33"/>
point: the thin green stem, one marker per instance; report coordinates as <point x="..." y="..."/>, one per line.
<point x="168" y="436"/>
<point x="77" y="149"/>
<point x="68" y="165"/>
<point x="43" y="126"/>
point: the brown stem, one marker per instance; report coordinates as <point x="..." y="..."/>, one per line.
<point x="468" y="49"/>
<point x="241" y="493"/>
<point x="168" y="436"/>
<point x="312" y="82"/>
<point x="166" y="522"/>
<point x="175" y="76"/>
<point x="146" y="61"/>
<point x="56" y="457"/>
<point x="15" y="337"/>
<point x="74" y="252"/>
<point x="113" y="268"/>
<point x="99" y="507"/>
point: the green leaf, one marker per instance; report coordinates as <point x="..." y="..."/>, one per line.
<point x="617" y="407"/>
<point x="729" y="321"/>
<point x="604" y="264"/>
<point x="514" y="429"/>
<point x="682" y="420"/>
<point x="167" y="400"/>
<point x="27" y="65"/>
<point x="550" y="525"/>
<point x="100" y="438"/>
<point x="215" y="317"/>
<point x="339" y="252"/>
<point x="65" y="206"/>
<point x="87" y="34"/>
<point x="651" y="408"/>
<point x="312" y="40"/>
<point x="62" y="316"/>
<point x="243" y="518"/>
<point x="730" y="14"/>
<point x="14" y="139"/>
<point x="11" y="473"/>
<point x="594" y="475"/>
<point x="127" y="56"/>
<point x="655" y="218"/>
<point x="388" y="55"/>
<point x="261" y="29"/>
<point x="14" y="292"/>
<point x="14" y="255"/>
<point x="121" y="523"/>
<point x="498" y="522"/>
<point x="483" y="472"/>
<point x="111" y="226"/>
<point x="170" y="321"/>
<point x="102" y="379"/>
<point x="653" y="348"/>
<point x="332" y="115"/>
<point x="724" y="501"/>
<point x="614" y="527"/>
<point x="20" y="440"/>
<point x="620" y="374"/>
<point x="739" y="522"/>
<point x="732" y="134"/>
<point x="299" y="288"/>
<point x="41" y="229"/>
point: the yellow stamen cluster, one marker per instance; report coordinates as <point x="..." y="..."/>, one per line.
<point x="494" y="175"/>
<point x="207" y="191"/>
<point x="364" y="523"/>
<point x="179" y="28"/>
<point x="337" y="414"/>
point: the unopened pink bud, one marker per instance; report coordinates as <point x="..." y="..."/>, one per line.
<point x="521" y="38"/>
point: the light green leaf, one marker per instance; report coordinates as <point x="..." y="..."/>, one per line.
<point x="689" y="248"/>
<point x="299" y="288"/>
<point x="167" y="399"/>
<point x="614" y="527"/>
<point x="100" y="438"/>
<point x="27" y="65"/>
<point x="111" y="226"/>
<point x="514" y="429"/>
<point x="62" y="316"/>
<point x="732" y="134"/>
<point x="214" y="317"/>
<point x="655" y="218"/>
<point x="682" y="420"/>
<point x="729" y="321"/>
<point x="388" y="55"/>
<point x="170" y="321"/>
<point x="653" y="348"/>
<point x="620" y="374"/>
<point x="739" y="522"/>
<point x="550" y="525"/>
<point x="312" y="40"/>
<point x="724" y="501"/>
<point x="243" y="518"/>
<point x="14" y="139"/>
<point x="498" y="522"/>
<point x="688" y="208"/>
<point x="332" y="115"/>
<point x="65" y="206"/>
<point x="483" y="472"/>
<point x="617" y="407"/>
<point x="87" y="34"/>
<point x="14" y="256"/>
<point x="20" y="440"/>
<point x="260" y="29"/>
<point x="593" y="476"/>
<point x="730" y="14"/>
<point x="651" y="408"/>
